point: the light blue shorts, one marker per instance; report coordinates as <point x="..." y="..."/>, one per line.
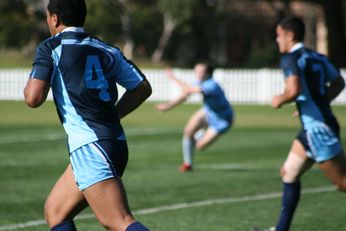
<point x="320" y="142"/>
<point x="220" y="125"/>
<point x="98" y="161"/>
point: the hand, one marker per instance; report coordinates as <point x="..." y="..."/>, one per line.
<point x="295" y="114"/>
<point x="161" y="107"/>
<point x="169" y="73"/>
<point x="276" y="101"/>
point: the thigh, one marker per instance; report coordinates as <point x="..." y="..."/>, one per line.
<point x="99" y="161"/>
<point x="296" y="164"/>
<point x="196" y="122"/>
<point x="208" y="138"/>
<point x="65" y="200"/>
<point x="108" y="201"/>
<point x="335" y="169"/>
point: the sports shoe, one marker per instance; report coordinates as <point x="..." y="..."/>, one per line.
<point x="185" y="168"/>
<point x="267" y="229"/>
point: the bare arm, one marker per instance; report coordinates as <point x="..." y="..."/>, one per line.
<point x="132" y="99"/>
<point x="186" y="88"/>
<point x="162" y="107"/>
<point x="35" y="92"/>
<point x="335" y="88"/>
<point x="290" y="93"/>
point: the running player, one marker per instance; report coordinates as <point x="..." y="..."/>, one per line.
<point x="82" y="72"/>
<point x="312" y="82"/>
<point x="215" y="116"/>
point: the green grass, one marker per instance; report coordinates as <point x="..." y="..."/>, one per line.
<point x="7" y="58"/>
<point x="244" y="162"/>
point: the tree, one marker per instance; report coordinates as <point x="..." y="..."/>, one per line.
<point x="104" y="21"/>
<point x="174" y="13"/>
<point x="335" y="20"/>
<point x="15" y="24"/>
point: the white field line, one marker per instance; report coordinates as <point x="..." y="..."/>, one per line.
<point x="258" y="197"/>
<point x="28" y="138"/>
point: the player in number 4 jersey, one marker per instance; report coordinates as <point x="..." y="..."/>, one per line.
<point x="82" y="72"/>
<point x="312" y="82"/>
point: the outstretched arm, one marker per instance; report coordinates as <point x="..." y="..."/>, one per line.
<point x="186" y="88"/>
<point x="132" y="99"/>
<point x="162" y="107"/>
<point x="170" y="75"/>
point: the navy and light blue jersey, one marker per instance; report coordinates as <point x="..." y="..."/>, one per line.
<point x="83" y="72"/>
<point x="314" y="72"/>
<point x="215" y="101"/>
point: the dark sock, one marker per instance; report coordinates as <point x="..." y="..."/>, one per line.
<point x="290" y="199"/>
<point x="136" y="227"/>
<point x="65" y="226"/>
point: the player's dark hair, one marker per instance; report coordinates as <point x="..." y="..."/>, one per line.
<point x="209" y="68"/>
<point x="295" y="25"/>
<point x="69" y="12"/>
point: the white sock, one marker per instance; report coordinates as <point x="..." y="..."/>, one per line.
<point x="188" y="148"/>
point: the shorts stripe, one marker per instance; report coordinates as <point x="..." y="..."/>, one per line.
<point x="320" y="142"/>
<point x="100" y="151"/>
<point x="90" y="166"/>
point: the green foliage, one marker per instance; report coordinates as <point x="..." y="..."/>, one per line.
<point x="230" y="33"/>
<point x="180" y="10"/>
<point x="15" y="59"/>
<point x="14" y="23"/>
<point x="146" y="27"/>
<point x="103" y="20"/>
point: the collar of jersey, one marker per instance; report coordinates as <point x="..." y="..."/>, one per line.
<point x="296" y="47"/>
<point x="71" y="29"/>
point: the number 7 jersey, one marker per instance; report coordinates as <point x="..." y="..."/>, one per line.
<point x="314" y="72"/>
<point x="83" y="72"/>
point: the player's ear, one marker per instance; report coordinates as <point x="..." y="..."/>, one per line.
<point x="290" y="36"/>
<point x="56" y="20"/>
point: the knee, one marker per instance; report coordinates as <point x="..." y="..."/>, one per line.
<point x="288" y="175"/>
<point x="117" y="224"/>
<point x="200" y="146"/>
<point x="340" y="185"/>
<point x="188" y="132"/>
<point x="51" y="214"/>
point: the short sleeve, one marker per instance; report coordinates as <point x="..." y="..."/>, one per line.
<point x="42" y="66"/>
<point x="128" y="74"/>
<point x="208" y="87"/>
<point x="289" y="66"/>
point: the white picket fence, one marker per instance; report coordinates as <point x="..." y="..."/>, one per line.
<point x="242" y="86"/>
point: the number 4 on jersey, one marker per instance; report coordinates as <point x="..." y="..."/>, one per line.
<point x="93" y="67"/>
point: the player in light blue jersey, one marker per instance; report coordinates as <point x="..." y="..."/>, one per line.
<point x="312" y="82"/>
<point x="215" y="116"/>
<point x="82" y="72"/>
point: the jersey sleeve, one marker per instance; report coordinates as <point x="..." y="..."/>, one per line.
<point x="42" y="66"/>
<point x="128" y="74"/>
<point x="208" y="87"/>
<point x="289" y="66"/>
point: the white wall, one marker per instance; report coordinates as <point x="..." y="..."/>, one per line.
<point x="242" y="86"/>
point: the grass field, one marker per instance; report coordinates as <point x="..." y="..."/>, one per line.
<point x="235" y="185"/>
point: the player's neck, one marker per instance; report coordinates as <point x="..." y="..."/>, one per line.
<point x="295" y="46"/>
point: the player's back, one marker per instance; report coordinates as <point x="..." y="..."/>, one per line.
<point x="215" y="99"/>
<point x="83" y="72"/>
<point x="314" y="71"/>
